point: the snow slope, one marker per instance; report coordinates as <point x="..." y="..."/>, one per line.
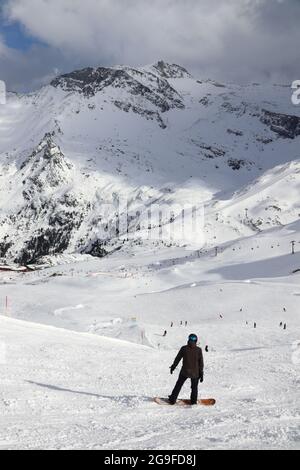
<point x="62" y="390"/>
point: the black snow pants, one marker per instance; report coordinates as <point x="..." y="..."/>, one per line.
<point x="180" y="382"/>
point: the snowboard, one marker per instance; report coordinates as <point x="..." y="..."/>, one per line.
<point x="182" y="402"/>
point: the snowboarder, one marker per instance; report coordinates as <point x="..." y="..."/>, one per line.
<point x="192" y="368"/>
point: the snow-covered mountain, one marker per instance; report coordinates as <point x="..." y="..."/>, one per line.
<point x="146" y="135"/>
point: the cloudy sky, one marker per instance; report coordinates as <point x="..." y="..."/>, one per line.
<point x="232" y="40"/>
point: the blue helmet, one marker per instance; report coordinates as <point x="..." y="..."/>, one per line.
<point x="193" y="338"/>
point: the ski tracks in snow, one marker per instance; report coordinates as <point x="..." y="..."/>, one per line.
<point x="64" y="390"/>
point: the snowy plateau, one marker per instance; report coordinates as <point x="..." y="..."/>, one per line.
<point x="84" y="306"/>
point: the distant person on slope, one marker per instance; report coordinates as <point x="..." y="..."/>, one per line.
<point x="192" y="368"/>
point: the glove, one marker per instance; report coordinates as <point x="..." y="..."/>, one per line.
<point x="172" y="368"/>
<point x="201" y="379"/>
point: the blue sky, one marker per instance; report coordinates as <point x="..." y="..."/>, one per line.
<point x="16" y="37"/>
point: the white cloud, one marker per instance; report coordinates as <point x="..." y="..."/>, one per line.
<point x="239" y="40"/>
<point x="127" y="31"/>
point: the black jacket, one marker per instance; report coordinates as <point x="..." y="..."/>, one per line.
<point x="193" y="363"/>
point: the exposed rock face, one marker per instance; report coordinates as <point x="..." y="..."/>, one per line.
<point x="96" y="249"/>
<point x="140" y="91"/>
<point x="235" y="132"/>
<point x="4" y="247"/>
<point x="48" y="242"/>
<point x="282" y="124"/>
<point x="48" y="167"/>
<point x="237" y="164"/>
<point x="47" y="213"/>
<point x="171" y="70"/>
<point x="90" y="81"/>
<point x="149" y="115"/>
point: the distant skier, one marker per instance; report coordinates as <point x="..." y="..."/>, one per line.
<point x="281" y="323"/>
<point x="192" y="368"/>
<point x="186" y="323"/>
<point x="172" y="324"/>
<point x="165" y="333"/>
<point x="285" y="326"/>
<point x="284" y="309"/>
<point x="255" y="325"/>
<point x="206" y="349"/>
<point x="181" y="323"/>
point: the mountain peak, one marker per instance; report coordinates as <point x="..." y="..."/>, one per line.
<point x="91" y="80"/>
<point x="140" y="91"/>
<point x="171" y="70"/>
